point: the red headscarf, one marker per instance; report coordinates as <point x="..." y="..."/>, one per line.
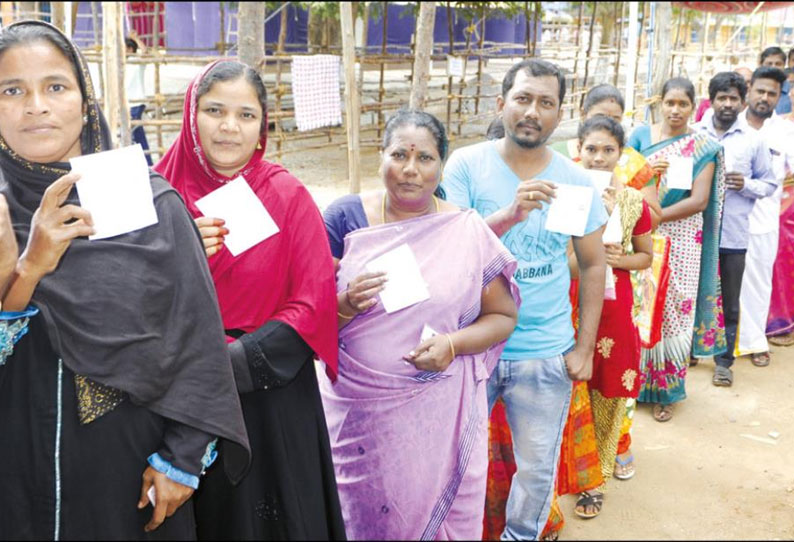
<point x="288" y="277"/>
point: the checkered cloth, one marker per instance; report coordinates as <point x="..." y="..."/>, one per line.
<point x="316" y="91"/>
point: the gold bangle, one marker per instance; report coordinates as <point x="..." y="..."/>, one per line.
<point x="451" y="346"/>
<point x="344" y="316"/>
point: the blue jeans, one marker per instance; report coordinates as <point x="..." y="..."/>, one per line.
<point x="537" y="394"/>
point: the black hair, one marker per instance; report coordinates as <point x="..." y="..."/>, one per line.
<point x="602" y="93"/>
<point x="600" y="123"/>
<point x="131" y="44"/>
<point x="767" y="72"/>
<point x="419" y="119"/>
<point x="24" y="34"/>
<point x="230" y="70"/>
<point x="496" y="130"/>
<point x="773" y="51"/>
<point x="681" y="83"/>
<point x="725" y="81"/>
<point x="536" y="68"/>
<point x="791" y="52"/>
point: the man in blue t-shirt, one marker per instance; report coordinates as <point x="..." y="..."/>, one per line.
<point x="511" y="182"/>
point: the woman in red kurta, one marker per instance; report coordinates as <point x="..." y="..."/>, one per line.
<point x="278" y="303"/>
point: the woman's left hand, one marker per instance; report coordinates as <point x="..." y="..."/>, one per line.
<point x="169" y="496"/>
<point x="433" y="354"/>
<point x="614" y="251"/>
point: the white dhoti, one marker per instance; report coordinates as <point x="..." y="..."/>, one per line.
<point x="756" y="291"/>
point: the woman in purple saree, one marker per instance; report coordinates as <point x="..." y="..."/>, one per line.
<point x="408" y="415"/>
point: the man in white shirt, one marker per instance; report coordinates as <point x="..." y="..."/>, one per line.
<point x="778" y="134"/>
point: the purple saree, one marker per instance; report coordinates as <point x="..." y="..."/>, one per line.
<point x="410" y="447"/>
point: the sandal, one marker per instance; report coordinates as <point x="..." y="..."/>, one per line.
<point x="761" y="359"/>
<point x="782" y="340"/>
<point x="624" y="468"/>
<point x="594" y="500"/>
<point x="662" y="413"/>
<point x="693" y="361"/>
<point x="723" y="376"/>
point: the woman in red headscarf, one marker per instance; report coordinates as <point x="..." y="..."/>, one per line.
<point x="278" y="303"/>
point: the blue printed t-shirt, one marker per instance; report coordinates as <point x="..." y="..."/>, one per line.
<point x="477" y="177"/>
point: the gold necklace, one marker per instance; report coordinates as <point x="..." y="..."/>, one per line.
<point x="383" y="207"/>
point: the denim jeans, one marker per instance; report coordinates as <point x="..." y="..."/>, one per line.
<point x="536" y="394"/>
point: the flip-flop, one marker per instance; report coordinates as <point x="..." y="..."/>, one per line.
<point x="760" y="359"/>
<point x="723" y="376"/>
<point x="782" y="340"/>
<point x="662" y="413"/>
<point x="595" y="500"/>
<point x="623" y="463"/>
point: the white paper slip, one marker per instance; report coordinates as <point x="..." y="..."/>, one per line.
<point x="454" y="66"/>
<point x="679" y="172"/>
<point x="427" y="333"/>
<point x="114" y="187"/>
<point x="246" y="218"/>
<point x="405" y="286"/>
<point x="601" y="179"/>
<point x="568" y="212"/>
<point x="613" y="233"/>
<point x="152" y="497"/>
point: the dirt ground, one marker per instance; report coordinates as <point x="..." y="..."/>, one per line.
<point x="712" y="472"/>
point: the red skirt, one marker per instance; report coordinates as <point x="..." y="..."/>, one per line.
<point x="616" y="361"/>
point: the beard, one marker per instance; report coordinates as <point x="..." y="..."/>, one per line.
<point x="762" y="114"/>
<point x="528" y="144"/>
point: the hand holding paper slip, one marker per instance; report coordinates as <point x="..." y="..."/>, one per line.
<point x="405" y="286"/>
<point x="568" y="211"/>
<point x="246" y="218"/>
<point x="679" y="172"/>
<point x="114" y="187"/>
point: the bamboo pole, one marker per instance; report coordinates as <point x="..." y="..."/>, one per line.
<point x="576" y="58"/>
<point x="479" y="60"/>
<point x="451" y="36"/>
<point x="381" y="89"/>
<point x="631" y="65"/>
<point x="351" y="96"/>
<point x="222" y="42"/>
<point x="462" y="82"/>
<point x="282" y="38"/>
<point x="639" y="39"/>
<point x="701" y="75"/>
<point x="158" y="110"/>
<point x="616" y="78"/>
<point x="589" y="51"/>
<point x="677" y="37"/>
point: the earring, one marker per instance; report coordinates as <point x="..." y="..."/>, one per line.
<point x="259" y="145"/>
<point x="85" y="120"/>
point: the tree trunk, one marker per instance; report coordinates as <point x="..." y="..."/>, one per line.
<point x="251" y="34"/>
<point x="424" y="48"/>
<point x="113" y="59"/>
<point x="59" y="15"/>
<point x="664" y="45"/>
<point x="352" y="102"/>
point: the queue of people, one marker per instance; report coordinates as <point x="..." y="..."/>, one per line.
<point x="156" y="385"/>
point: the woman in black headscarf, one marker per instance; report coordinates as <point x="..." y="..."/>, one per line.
<point x="126" y="361"/>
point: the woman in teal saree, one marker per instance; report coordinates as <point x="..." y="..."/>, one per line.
<point x="693" y="322"/>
